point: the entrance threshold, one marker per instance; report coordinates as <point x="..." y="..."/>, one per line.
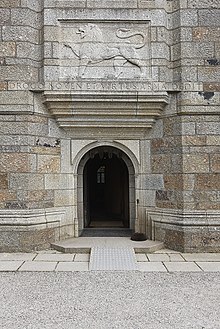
<point x="107" y="232"/>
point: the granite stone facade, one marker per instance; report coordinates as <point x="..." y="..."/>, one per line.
<point x="138" y="78"/>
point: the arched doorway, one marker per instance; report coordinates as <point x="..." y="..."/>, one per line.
<point x="106" y="189"/>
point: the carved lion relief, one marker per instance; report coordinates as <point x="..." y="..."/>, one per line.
<point x="117" y="52"/>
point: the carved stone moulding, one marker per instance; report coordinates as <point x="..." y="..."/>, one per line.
<point x="101" y="113"/>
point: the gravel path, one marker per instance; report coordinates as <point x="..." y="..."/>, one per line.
<point x="109" y="300"/>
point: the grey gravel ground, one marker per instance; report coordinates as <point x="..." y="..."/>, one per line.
<point x="109" y="300"/>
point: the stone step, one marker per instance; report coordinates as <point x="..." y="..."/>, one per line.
<point x="84" y="244"/>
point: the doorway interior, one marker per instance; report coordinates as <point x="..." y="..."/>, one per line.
<point x="106" y="190"/>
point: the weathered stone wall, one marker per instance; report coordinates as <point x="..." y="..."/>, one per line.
<point x="177" y="182"/>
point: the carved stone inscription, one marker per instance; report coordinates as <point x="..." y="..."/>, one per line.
<point x="105" y="50"/>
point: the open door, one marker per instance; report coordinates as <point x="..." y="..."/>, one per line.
<point x="106" y="191"/>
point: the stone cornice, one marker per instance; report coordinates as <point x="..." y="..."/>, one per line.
<point x="105" y="110"/>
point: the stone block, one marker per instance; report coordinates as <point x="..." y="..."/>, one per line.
<point x="111" y="3"/>
<point x="16" y="108"/>
<point x="26" y="181"/>
<point x="35" y="195"/>
<point x="194" y="140"/>
<point x="3" y="181"/>
<point x="14" y="162"/>
<point x="51" y="33"/>
<point x="50" y="16"/>
<point x="63" y="198"/>
<point x="161" y="163"/>
<point x="188" y="128"/>
<point x="9" y="3"/>
<point x="174" y="239"/>
<point x="176" y="163"/>
<point x="213" y="140"/>
<point x="189" y="17"/>
<point x="146" y="4"/>
<point x="66" y="166"/>
<point x="4" y="16"/>
<point x="152" y="182"/>
<point x="25" y="16"/>
<point x="38" y="129"/>
<point x="51" y="73"/>
<point x="29" y="50"/>
<point x="6" y="196"/>
<point x="209" y="74"/>
<point x="7" y="48"/>
<point x="188" y="181"/>
<point x="173" y="182"/>
<point x="160" y="50"/>
<point x="211" y="87"/>
<point x="48" y="164"/>
<point x="195" y="163"/>
<point x="207" y="181"/>
<point x="20" y="33"/>
<point x="16" y="72"/>
<point x="17" y="98"/>
<point x="208" y="128"/>
<point x="32" y="4"/>
<point x="65" y="3"/>
<point x="59" y="181"/>
<point x="3" y="85"/>
<point x="209" y="17"/>
<point x="203" y="4"/>
<point x="46" y="150"/>
<point x="215" y="163"/>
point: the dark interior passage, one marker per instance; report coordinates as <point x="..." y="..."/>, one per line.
<point x="106" y="191"/>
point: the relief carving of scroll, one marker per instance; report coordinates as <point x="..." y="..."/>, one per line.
<point x="93" y="48"/>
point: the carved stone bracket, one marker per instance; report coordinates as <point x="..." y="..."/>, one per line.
<point x="123" y="114"/>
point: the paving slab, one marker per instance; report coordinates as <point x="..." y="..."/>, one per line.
<point x="209" y="266"/>
<point x="141" y="258"/>
<point x="17" y="256"/>
<point x="151" y="267"/>
<point x="158" y="257"/>
<point x="82" y="258"/>
<point x="182" y="267"/>
<point x="6" y="266"/>
<point x="49" y="251"/>
<point x="72" y="266"/>
<point x="175" y="258"/>
<point x="55" y="257"/>
<point x="202" y="257"/>
<point x="35" y="266"/>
